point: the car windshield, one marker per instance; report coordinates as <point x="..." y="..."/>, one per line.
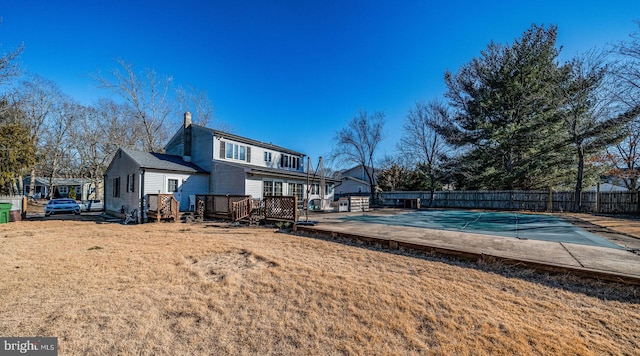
<point x="61" y="202"/>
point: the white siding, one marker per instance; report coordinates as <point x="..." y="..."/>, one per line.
<point x="157" y="183"/>
<point x="260" y="159"/>
<point x="352" y="186"/>
<point x="154" y="183"/>
<point x="253" y="187"/>
<point x="120" y="167"/>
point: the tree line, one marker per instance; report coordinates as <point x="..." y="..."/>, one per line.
<point x="515" y="118"/>
<point x="46" y="133"/>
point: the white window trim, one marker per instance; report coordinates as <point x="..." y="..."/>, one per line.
<point x="178" y="186"/>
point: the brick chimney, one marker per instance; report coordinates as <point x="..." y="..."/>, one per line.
<point x="186" y="148"/>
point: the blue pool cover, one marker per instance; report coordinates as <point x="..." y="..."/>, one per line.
<point x="518" y="225"/>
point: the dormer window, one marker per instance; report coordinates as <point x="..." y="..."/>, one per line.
<point x="288" y="161"/>
<point x="235" y="151"/>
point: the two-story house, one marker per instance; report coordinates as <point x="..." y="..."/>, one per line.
<point x="200" y="160"/>
<point x="354" y="181"/>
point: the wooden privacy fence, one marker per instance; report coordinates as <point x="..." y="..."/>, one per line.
<point x="534" y="200"/>
<point x="232" y="207"/>
<point x="162" y="207"/>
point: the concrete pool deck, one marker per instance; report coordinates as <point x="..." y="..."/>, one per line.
<point x="593" y="261"/>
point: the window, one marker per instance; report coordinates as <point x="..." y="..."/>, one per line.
<point x="116" y="187"/>
<point x="277" y="188"/>
<point x="267" y="188"/>
<point x="295" y="189"/>
<point x="172" y="185"/>
<point x="229" y="150"/>
<point x="288" y="161"/>
<point x="267" y="156"/>
<point x="328" y="189"/>
<point x="131" y="182"/>
<point x="235" y="151"/>
<point x="315" y="189"/>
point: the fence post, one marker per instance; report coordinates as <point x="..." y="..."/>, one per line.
<point x="550" y="202"/>
<point x="598" y="198"/>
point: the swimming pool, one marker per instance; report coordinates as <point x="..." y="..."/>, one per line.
<point x="507" y="224"/>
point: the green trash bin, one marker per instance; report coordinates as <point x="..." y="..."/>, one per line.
<point x="5" y="209"/>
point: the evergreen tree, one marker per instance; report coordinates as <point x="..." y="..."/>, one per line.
<point x="72" y="193"/>
<point x="392" y="178"/>
<point x="507" y="115"/>
<point x="17" y="149"/>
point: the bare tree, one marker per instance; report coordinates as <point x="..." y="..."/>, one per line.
<point x="198" y="103"/>
<point x="422" y="144"/>
<point x="625" y="156"/>
<point x="97" y="132"/>
<point x="37" y="98"/>
<point x="8" y="65"/>
<point x="357" y="143"/>
<point x="57" y="147"/>
<point x="147" y="98"/>
<point x="589" y="122"/>
<point x="115" y="129"/>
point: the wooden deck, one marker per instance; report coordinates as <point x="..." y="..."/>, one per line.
<point x="162" y="207"/>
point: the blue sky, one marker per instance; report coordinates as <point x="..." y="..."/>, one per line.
<point x="293" y="72"/>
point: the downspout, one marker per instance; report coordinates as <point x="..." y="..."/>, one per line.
<point x="104" y="194"/>
<point x="142" y="196"/>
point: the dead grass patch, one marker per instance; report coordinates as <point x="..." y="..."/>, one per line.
<point x="162" y="289"/>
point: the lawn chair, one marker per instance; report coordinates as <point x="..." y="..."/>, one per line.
<point x="131" y="217"/>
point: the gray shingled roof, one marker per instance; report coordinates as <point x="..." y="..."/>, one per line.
<point x="162" y="161"/>
<point x="59" y="181"/>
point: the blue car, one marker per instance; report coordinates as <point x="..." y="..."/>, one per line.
<point x="61" y="206"/>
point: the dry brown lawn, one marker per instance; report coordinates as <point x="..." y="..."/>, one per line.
<point x="107" y="289"/>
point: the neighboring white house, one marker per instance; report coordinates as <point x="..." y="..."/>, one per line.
<point x="221" y="163"/>
<point x="132" y="175"/>
<point x="354" y="181"/>
<point x="84" y="188"/>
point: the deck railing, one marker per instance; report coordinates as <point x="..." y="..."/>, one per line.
<point x="241" y="209"/>
<point x="281" y="208"/>
<point x="162" y="207"/>
<point x="233" y="207"/>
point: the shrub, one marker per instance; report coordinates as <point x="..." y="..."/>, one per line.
<point x="72" y="193"/>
